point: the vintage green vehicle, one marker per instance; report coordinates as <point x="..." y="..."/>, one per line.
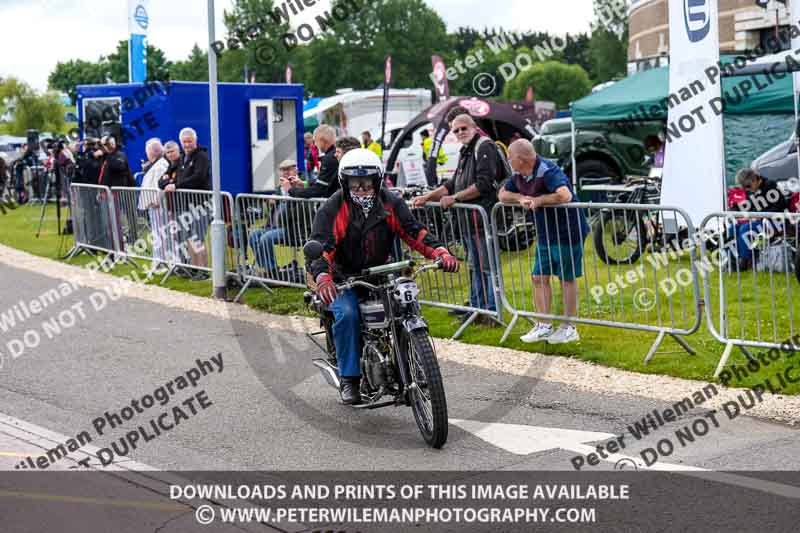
<point x="604" y="153"/>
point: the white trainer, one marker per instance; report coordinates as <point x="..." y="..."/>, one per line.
<point x="563" y="334"/>
<point x="540" y="332"/>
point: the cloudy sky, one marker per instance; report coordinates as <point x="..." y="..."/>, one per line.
<point x="36" y="34"/>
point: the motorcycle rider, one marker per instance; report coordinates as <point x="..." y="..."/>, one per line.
<point x="357" y="227"/>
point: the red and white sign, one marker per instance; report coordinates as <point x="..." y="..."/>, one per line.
<point x="477" y="108"/>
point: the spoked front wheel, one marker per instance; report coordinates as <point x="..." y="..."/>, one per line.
<point x="427" y="399"/>
<point x="619" y="239"/>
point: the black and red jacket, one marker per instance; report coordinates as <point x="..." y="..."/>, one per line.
<point x="353" y="243"/>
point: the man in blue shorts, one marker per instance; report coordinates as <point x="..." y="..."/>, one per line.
<point x="540" y="185"/>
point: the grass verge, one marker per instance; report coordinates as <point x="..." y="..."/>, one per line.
<point x="607" y="346"/>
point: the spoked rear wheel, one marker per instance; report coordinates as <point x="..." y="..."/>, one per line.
<point x="427" y="399"/>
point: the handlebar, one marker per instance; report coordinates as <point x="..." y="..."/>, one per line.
<point x="354" y="282"/>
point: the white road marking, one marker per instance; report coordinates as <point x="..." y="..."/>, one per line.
<point x="46" y="440"/>
<point x="524" y="440"/>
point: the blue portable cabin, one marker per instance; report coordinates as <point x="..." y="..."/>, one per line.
<point x="260" y="124"/>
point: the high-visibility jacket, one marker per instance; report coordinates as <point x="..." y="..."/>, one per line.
<point x="427" y="144"/>
<point x="375" y="147"/>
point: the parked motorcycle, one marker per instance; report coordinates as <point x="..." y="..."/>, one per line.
<point x="398" y="361"/>
<point x="621" y="235"/>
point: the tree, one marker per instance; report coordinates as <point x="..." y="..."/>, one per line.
<point x="195" y="68"/>
<point x="67" y="76"/>
<point x="552" y="81"/>
<point x="230" y="65"/>
<point x="577" y="52"/>
<point x="31" y="110"/>
<point x="352" y="52"/>
<point x="157" y="65"/>
<point x="253" y="27"/>
<point x="608" y="45"/>
<point x="464" y="40"/>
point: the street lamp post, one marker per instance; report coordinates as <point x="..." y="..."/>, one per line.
<point x="217" y="226"/>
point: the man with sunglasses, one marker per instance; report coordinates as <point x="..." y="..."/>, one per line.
<point x="357" y="227"/>
<point x="474" y="182"/>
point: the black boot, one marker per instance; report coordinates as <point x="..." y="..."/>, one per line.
<point x="351" y="391"/>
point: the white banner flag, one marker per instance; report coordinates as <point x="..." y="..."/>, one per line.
<point x="138" y="16"/>
<point x="794" y="20"/>
<point x="694" y="168"/>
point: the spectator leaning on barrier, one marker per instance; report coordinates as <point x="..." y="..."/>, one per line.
<point x="172" y="153"/>
<point x="283" y="226"/>
<point x="288" y="177"/>
<point x="540" y="185"/>
<point x="194" y="173"/>
<point x="369" y="144"/>
<point x="763" y="195"/>
<point x="474" y="182"/>
<point x="195" y="170"/>
<point x="327" y="182"/>
<point x="149" y="199"/>
<point x="458" y="111"/>
<point x="114" y="171"/>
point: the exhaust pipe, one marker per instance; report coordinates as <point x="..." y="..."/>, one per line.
<point x="329" y="372"/>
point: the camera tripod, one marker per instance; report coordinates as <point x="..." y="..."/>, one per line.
<point x="61" y="233"/>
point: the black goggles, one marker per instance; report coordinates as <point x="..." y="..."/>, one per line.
<point x="363" y="178"/>
<point x="365" y="184"/>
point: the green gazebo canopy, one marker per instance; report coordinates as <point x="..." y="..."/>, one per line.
<point x="645" y="95"/>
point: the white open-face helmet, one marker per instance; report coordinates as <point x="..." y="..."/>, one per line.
<point x="360" y="165"/>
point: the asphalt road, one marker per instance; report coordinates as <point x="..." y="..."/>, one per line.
<point x="270" y="410"/>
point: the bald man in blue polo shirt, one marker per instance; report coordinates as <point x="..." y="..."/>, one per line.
<point x="540" y="185"/>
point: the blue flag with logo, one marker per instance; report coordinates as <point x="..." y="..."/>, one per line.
<point x="138" y="24"/>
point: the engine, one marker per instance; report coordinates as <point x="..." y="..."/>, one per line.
<point x="376" y="366"/>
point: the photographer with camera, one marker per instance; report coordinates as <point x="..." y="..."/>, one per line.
<point x="88" y="163"/>
<point x="115" y="171"/>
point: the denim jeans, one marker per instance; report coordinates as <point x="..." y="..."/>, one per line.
<point x="347" y="333"/>
<point x="481" y="290"/>
<point x="263" y="243"/>
<point x="745" y="235"/>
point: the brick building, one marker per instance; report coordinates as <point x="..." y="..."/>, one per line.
<point x="743" y="25"/>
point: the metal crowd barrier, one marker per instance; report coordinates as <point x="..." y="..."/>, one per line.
<point x="144" y="223"/>
<point x="188" y="214"/>
<point x="750" y="287"/>
<point x="629" y="272"/>
<point x="269" y="234"/>
<point x="94" y="220"/>
<point x="465" y="230"/>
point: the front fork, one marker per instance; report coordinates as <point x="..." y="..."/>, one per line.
<point x="402" y="330"/>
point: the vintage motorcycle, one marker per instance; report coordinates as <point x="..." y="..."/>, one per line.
<point x="398" y="361"/>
